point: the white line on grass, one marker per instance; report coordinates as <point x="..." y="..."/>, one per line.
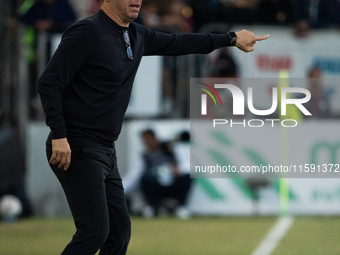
<point x="274" y="236"/>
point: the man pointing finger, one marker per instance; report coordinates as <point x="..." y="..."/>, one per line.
<point x="85" y="91"/>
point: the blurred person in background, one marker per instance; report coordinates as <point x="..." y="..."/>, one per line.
<point x="274" y="12"/>
<point x="178" y="17"/>
<point x="53" y="16"/>
<point x="94" y="5"/>
<point x="149" y="14"/>
<point x="241" y="11"/>
<point x="206" y="11"/>
<point x="163" y="177"/>
<point x="181" y="149"/>
<point x="175" y="17"/>
<point x="222" y="64"/>
<point x="319" y="104"/>
<point x="314" y="14"/>
<point x="43" y="16"/>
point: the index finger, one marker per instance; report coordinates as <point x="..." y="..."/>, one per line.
<point x="261" y="37"/>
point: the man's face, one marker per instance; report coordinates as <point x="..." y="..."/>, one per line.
<point x="127" y="10"/>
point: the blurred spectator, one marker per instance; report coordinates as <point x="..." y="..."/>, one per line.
<point x="94" y="6"/>
<point x="161" y="176"/>
<point x="222" y="63"/>
<point x="149" y="14"/>
<point x="318" y="105"/>
<point x="175" y="17"/>
<point x="314" y="14"/>
<point x="206" y="11"/>
<point x="274" y="12"/>
<point x="178" y="17"/>
<point x="182" y="155"/>
<point x="240" y="11"/>
<point x="49" y="15"/>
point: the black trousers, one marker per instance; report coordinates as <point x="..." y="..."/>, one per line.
<point x="154" y="192"/>
<point x="95" y="194"/>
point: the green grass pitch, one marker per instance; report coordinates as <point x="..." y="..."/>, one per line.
<point x="170" y="236"/>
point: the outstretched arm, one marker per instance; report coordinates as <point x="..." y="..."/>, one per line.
<point x="157" y="43"/>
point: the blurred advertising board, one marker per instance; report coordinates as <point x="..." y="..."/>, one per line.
<point x="314" y="143"/>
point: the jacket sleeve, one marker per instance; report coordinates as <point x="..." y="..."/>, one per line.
<point x="158" y="43"/>
<point x="73" y="51"/>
